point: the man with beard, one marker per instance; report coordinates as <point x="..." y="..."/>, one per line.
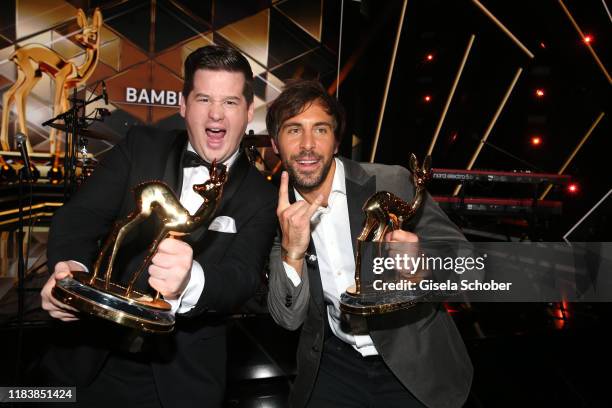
<point x="205" y="276"/>
<point x="420" y="360"/>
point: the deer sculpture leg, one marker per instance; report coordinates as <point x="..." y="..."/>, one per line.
<point x="134" y="219"/>
<point x="107" y="244"/>
<point x="110" y="240"/>
<point x="7" y="101"/>
<point x="60" y="104"/>
<point x="371" y="222"/>
<point x="32" y="76"/>
<point x="56" y="146"/>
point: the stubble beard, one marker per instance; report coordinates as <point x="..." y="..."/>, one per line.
<point x="307" y="182"/>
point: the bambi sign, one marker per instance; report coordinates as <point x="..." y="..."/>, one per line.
<point x="153" y="97"/>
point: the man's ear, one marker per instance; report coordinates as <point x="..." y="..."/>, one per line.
<point x="250" y="112"/>
<point x="274" y="146"/>
<point x="183" y="106"/>
<point x="336" y="148"/>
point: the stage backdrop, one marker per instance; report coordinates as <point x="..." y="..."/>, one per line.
<point x="142" y="48"/>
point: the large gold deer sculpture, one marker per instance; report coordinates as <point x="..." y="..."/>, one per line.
<point x="34" y="60"/>
<point x="157" y="198"/>
<point x="384" y="211"/>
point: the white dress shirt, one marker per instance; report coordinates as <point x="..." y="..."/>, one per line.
<point x="192" y="201"/>
<point x="331" y="234"/>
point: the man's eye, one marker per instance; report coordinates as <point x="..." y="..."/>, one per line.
<point x="321" y="130"/>
<point x="293" y="130"/>
<point x="202" y="99"/>
<point x="231" y="103"/>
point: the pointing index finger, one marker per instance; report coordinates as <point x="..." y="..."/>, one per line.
<point x="283" y="192"/>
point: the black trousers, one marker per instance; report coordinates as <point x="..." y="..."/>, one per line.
<point x="347" y="379"/>
<point x="124" y="380"/>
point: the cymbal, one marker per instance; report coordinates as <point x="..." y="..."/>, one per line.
<point x="92" y="134"/>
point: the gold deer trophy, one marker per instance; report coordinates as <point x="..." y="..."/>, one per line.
<point x="100" y="296"/>
<point x="34" y="60"/>
<point x="384" y="212"/>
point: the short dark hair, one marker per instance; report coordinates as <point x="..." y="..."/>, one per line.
<point x="218" y="58"/>
<point x="297" y="96"/>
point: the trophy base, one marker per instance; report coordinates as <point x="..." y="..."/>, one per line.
<point x="120" y="291"/>
<point x="134" y="312"/>
<point x="370" y="302"/>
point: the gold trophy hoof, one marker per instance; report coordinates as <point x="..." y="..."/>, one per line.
<point x="121" y="292"/>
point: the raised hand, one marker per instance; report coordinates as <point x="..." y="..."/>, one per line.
<point x="294" y="220"/>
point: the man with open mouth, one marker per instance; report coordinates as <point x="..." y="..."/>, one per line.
<point x="205" y="277"/>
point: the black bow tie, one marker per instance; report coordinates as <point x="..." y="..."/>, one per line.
<point x="191" y="159"/>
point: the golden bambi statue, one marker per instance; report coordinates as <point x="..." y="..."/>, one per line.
<point x="385" y="212"/>
<point x="101" y="297"/>
<point x="33" y="60"/>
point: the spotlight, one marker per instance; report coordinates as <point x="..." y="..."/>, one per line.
<point x="33" y="171"/>
<point x="588" y="39"/>
<point x="542" y="45"/>
<point x="55" y="175"/>
<point x="539" y="92"/>
<point x="7" y="173"/>
<point x="429" y="57"/>
<point x="427" y="98"/>
<point x="572" y="188"/>
<point x="536" y="141"/>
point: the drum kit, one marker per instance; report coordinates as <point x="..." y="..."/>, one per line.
<point x="78" y="163"/>
<point x="84" y="163"/>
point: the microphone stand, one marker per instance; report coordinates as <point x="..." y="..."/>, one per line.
<point x="73" y="121"/>
<point x="24" y="175"/>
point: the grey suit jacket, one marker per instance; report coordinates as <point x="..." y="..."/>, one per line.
<point x="422" y="345"/>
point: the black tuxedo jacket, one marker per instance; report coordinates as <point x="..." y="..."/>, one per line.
<point x="421" y="346"/>
<point x="189" y="364"/>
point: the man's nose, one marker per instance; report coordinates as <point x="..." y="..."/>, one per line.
<point x="307" y="141"/>
<point x="216" y="111"/>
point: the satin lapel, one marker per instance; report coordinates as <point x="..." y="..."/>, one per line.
<point x="314" y="276"/>
<point x="357" y="192"/>
<point x="173" y="172"/>
<point x="235" y="177"/>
